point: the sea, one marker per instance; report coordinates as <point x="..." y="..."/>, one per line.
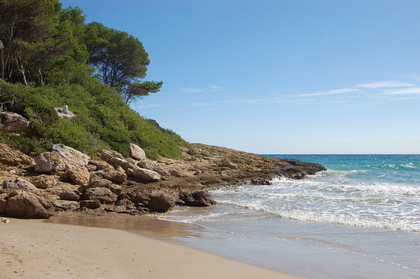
<point x="358" y="219"/>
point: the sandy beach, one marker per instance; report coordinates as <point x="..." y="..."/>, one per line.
<point x="39" y="249"/>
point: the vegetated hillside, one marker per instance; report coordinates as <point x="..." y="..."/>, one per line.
<point x="103" y="120"/>
<point x="50" y="57"/>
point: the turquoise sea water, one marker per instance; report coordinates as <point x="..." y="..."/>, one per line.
<point x="358" y="219"/>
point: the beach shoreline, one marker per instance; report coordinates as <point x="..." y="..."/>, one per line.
<point x="45" y="249"/>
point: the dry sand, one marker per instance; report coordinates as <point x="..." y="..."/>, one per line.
<point x="38" y="249"/>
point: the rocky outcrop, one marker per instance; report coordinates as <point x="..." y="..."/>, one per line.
<point x="103" y="195"/>
<point x="65" y="113"/>
<point x="66" y="180"/>
<point x="44" y="181"/>
<point x="79" y="175"/>
<point x="71" y="157"/>
<point x="17" y="184"/>
<point x="23" y="204"/>
<point x="12" y="122"/>
<point x="49" y="162"/>
<point x="13" y="157"/>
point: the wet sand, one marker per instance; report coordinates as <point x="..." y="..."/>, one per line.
<point x="39" y="249"/>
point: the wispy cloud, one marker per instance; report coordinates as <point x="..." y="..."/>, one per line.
<point x="210" y="88"/>
<point x="385" y="84"/>
<point x="192" y="90"/>
<point x="332" y="92"/>
<point x="403" y="91"/>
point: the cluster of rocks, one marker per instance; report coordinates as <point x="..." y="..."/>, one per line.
<point x="66" y="179"/>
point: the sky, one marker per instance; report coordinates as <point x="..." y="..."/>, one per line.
<point x="279" y="76"/>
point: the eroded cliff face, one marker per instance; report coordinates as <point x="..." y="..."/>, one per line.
<point x="65" y="180"/>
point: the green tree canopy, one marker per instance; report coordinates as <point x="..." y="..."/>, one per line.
<point x="34" y="39"/>
<point x="120" y="60"/>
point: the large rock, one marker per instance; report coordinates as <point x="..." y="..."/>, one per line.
<point x="157" y="202"/>
<point x="91" y="204"/>
<point x="152" y="165"/>
<point x="79" y="175"/>
<point x="107" y="155"/>
<point x="70" y="195"/>
<point x="161" y="203"/>
<point x="136" y="152"/>
<point x="100" y="165"/>
<point x="72" y="157"/>
<point x="15" y="184"/>
<point x="116" y="176"/>
<point x="103" y="195"/>
<point x="44" y="181"/>
<point x="10" y="156"/>
<point x="49" y="162"/>
<point x="13" y="122"/>
<point x="101" y="183"/>
<point x="119" y="162"/>
<point x="145" y="174"/>
<point x="28" y="205"/>
<point x="197" y="198"/>
<point x="65" y="113"/>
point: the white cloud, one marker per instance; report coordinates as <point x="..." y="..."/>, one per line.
<point x="385" y="84"/>
<point x="332" y="92"/>
<point x="211" y="88"/>
<point x="192" y="90"/>
<point x="404" y="91"/>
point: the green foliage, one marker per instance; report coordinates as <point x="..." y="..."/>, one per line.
<point x="103" y="120"/>
<point x="51" y="58"/>
<point x="119" y="59"/>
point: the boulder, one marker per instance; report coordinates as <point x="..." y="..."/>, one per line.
<point x="48" y="162"/>
<point x="79" y="175"/>
<point x="13" y="122"/>
<point x="152" y="165"/>
<point x="103" y="195"/>
<point x="116" y="176"/>
<point x="72" y="157"/>
<point x="124" y="164"/>
<point x="65" y="113"/>
<point x="70" y="195"/>
<point x="137" y="152"/>
<point x="101" y="183"/>
<point x="91" y="204"/>
<point x="44" y="181"/>
<point x="107" y="155"/>
<point x="197" y="198"/>
<point x="17" y="184"/>
<point x="145" y="174"/>
<point x="10" y="156"/>
<point x="157" y="202"/>
<point x="100" y="165"/>
<point x="22" y="204"/>
<point x="161" y="202"/>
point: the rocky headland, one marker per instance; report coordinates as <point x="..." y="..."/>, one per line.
<point x="66" y="180"/>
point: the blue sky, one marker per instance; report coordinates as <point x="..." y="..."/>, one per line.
<point x="279" y="76"/>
